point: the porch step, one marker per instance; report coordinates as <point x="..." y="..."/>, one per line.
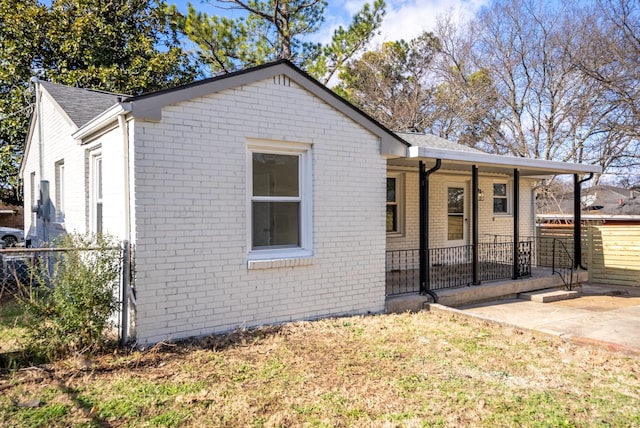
<point x="542" y="279"/>
<point x="548" y="296"/>
<point x="413" y="302"/>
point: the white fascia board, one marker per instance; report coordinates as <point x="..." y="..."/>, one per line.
<point x="539" y="165"/>
<point x="100" y="121"/>
<point x="27" y="144"/>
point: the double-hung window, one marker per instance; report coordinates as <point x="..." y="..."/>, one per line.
<point x="394" y="217"/>
<point x="59" y="190"/>
<point x="34" y="215"/>
<point x="500" y="198"/>
<point x="96" y="193"/>
<point x="280" y="200"/>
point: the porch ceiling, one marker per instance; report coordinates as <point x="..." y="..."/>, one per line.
<point x="489" y="163"/>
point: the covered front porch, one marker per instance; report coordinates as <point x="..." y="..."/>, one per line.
<point x="469" y="238"/>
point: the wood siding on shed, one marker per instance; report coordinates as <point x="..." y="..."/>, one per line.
<point x="611" y="253"/>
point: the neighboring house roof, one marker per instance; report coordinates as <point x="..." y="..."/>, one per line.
<point x="605" y="202"/>
<point x="81" y="105"/>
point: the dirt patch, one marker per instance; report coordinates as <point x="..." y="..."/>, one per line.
<point x="599" y="303"/>
<point x="603" y="298"/>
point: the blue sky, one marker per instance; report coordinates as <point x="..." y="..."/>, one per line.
<point x="405" y="19"/>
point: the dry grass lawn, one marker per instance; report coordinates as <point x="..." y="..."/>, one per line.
<point x="423" y="369"/>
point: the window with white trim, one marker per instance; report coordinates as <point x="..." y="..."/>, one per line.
<point x="501" y="202"/>
<point x="59" y="190"/>
<point x="280" y="200"/>
<point x="96" y="209"/>
<point x="34" y="202"/>
<point x="456" y="213"/>
<point x="395" y="208"/>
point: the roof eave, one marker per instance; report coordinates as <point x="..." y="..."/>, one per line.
<point x="534" y="166"/>
<point x="100" y="121"/>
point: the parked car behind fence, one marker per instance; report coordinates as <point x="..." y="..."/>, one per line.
<point x="11" y="236"/>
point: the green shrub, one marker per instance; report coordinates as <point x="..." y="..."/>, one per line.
<point x="71" y="297"/>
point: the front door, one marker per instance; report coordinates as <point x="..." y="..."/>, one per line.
<point x="457" y="219"/>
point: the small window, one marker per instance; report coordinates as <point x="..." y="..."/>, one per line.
<point x="96" y="194"/>
<point x="455" y="213"/>
<point x="279" y="200"/>
<point x="59" y="190"/>
<point x="394" y="204"/>
<point x="500" y="198"/>
<point x="34" y="202"/>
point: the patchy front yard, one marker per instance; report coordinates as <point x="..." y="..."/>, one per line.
<point x="424" y="369"/>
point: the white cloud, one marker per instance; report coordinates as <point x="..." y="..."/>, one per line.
<point x="408" y="19"/>
<point x="353" y="6"/>
<point x="405" y="19"/>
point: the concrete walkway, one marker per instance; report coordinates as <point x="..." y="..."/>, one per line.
<point x="606" y="316"/>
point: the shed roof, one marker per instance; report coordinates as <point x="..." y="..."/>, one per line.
<point x="454" y="157"/>
<point x="434" y="142"/>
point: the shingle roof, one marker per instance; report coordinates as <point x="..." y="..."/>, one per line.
<point x="81" y="105"/>
<point x="431" y="141"/>
<point x="599" y="199"/>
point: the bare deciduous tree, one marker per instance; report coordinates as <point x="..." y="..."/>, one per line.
<point x="389" y="83"/>
<point x="540" y="79"/>
<point x="609" y="56"/>
<point x="465" y="102"/>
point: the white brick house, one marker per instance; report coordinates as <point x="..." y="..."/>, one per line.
<point x="253" y="198"/>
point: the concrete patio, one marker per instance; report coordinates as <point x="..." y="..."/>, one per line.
<point x="603" y="315"/>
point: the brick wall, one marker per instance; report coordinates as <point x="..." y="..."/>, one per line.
<point x="191" y="191"/>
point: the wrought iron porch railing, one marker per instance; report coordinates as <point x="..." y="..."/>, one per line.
<point x="525" y="257"/>
<point x="563" y="263"/>
<point x="496" y="260"/>
<point x="402" y="272"/>
<point x="452" y="267"/>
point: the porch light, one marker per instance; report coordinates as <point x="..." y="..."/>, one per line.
<point x="480" y="195"/>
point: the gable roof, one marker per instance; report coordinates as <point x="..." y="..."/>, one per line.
<point x="149" y="106"/>
<point x="80" y="105"/>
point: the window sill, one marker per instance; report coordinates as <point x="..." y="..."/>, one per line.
<point x="395" y="234"/>
<point x="279" y="263"/>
